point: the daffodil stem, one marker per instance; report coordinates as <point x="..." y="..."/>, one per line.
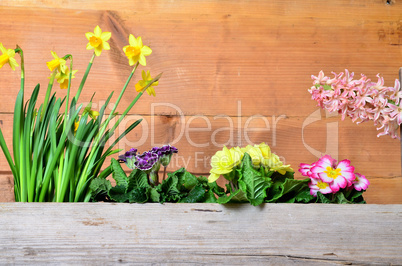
<point x="19" y="130"/>
<point x="120" y="96"/>
<point x="68" y="89"/>
<point x="83" y="178"/>
<point x="60" y="185"/>
<point x="134" y="102"/>
<point x="49" y="89"/>
<point x="19" y="50"/>
<point x="84" y="78"/>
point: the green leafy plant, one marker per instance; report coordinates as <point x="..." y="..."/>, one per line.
<point x="56" y="152"/>
<point x="248" y="184"/>
<point x="180" y="186"/>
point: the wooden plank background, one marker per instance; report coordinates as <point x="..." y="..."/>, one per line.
<point x="235" y="72"/>
<point x="104" y="233"/>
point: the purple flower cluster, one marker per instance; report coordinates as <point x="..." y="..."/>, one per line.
<point x="129" y="158"/>
<point x="149" y="160"/>
<point x="165" y="153"/>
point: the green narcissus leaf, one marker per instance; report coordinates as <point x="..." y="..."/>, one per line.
<point x="252" y="182"/>
<point x="118" y="174"/>
<point x="195" y="195"/>
<point x="99" y="188"/>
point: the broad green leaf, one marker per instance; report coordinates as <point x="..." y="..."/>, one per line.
<point x="154" y="195"/>
<point x="357" y="197"/>
<point x="195" y="195"/>
<point x="304" y="196"/>
<point x="118" y="194"/>
<point x="238" y="196"/>
<point x="219" y="191"/>
<point x="252" y="182"/>
<point x="322" y="199"/>
<point x="137" y="179"/>
<point x="210" y="197"/>
<point x="340" y="198"/>
<point x="188" y="180"/>
<point x="168" y="189"/>
<point x="118" y="174"/>
<point x="99" y="188"/>
<point x="292" y="187"/>
<point x="138" y="195"/>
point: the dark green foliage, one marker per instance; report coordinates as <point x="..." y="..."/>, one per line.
<point x="250" y="184"/>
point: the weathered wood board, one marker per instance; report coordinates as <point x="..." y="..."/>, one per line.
<point x="102" y="233"/>
<point x="226" y="64"/>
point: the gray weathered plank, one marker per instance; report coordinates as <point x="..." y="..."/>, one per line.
<point x="107" y="233"/>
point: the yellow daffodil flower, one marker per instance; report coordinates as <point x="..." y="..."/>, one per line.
<point x="57" y="62"/>
<point x="146" y="78"/>
<point x="92" y="114"/>
<point x="136" y="52"/>
<point x="76" y="124"/>
<point x="7" y="57"/>
<point x="223" y="162"/>
<point x="62" y="78"/>
<point x="98" y="40"/>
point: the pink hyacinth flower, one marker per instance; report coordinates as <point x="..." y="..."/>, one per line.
<point x="360" y="182"/>
<point x="336" y="175"/>
<point x="316" y="185"/>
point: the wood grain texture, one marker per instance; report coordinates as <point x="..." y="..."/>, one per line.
<point x="198" y="138"/>
<point x="101" y="233"/>
<point x="221" y="51"/>
<point x="225" y="61"/>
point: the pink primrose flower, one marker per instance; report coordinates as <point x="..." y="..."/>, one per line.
<point x="316" y="185"/>
<point x="360" y="182"/>
<point x="336" y="175"/>
<point x="305" y="169"/>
